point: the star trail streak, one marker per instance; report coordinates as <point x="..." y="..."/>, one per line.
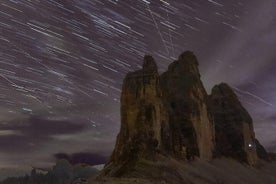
<point x="62" y="63"/>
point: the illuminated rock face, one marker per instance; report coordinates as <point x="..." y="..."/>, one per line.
<point x="235" y="135"/>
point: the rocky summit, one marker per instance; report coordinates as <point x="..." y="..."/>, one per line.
<point x="170" y="118"/>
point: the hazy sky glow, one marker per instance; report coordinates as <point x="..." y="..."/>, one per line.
<point x="62" y="63"/>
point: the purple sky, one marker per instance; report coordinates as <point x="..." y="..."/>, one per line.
<point x="62" y="63"/>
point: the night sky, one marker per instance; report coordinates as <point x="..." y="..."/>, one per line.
<point x="62" y="63"/>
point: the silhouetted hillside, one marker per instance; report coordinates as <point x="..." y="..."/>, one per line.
<point x="62" y="173"/>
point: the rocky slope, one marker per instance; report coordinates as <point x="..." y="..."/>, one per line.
<point x="217" y="171"/>
<point x="171" y="128"/>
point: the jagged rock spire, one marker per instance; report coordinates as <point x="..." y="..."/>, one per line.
<point x="141" y="116"/>
<point x="149" y="64"/>
<point x="235" y="135"/>
<point x="185" y="98"/>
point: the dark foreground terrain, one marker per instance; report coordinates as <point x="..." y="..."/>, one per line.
<point x="217" y="171"/>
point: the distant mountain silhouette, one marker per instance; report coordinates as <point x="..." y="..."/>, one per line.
<point x="62" y="173"/>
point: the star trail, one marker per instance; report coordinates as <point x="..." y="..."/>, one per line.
<point x="62" y="63"/>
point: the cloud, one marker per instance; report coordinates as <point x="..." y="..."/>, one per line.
<point x="88" y="158"/>
<point x="29" y="135"/>
<point x="273" y="118"/>
<point x="272" y="147"/>
<point x="39" y="127"/>
<point x="44" y="127"/>
<point x="9" y="132"/>
<point x="242" y="55"/>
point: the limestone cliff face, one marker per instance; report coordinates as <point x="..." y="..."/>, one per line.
<point x="142" y="113"/>
<point x="235" y="135"/>
<point x="191" y="126"/>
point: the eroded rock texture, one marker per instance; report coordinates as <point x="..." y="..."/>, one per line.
<point x="235" y="135"/>
<point x="185" y="99"/>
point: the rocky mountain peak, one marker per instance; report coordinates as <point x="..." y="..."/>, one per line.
<point x="188" y="57"/>
<point x="185" y="99"/>
<point x="149" y="64"/>
<point x="224" y="90"/>
<point x="225" y="97"/>
<point x="186" y="64"/>
<point x="141" y="116"/>
<point x="235" y="135"/>
<point x="172" y="116"/>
